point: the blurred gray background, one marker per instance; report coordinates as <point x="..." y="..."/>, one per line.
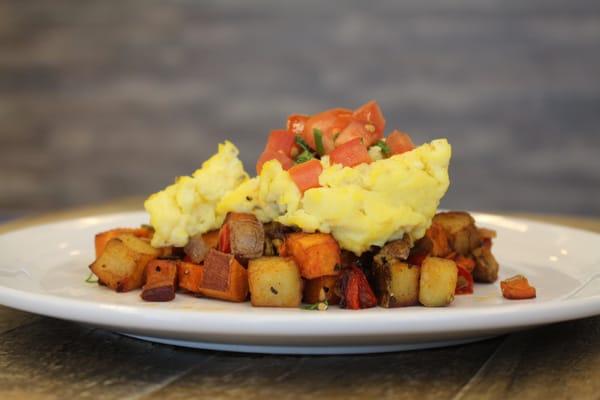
<point x="100" y="100"/>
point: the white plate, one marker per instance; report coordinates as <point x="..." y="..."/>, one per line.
<point x="43" y="268"/>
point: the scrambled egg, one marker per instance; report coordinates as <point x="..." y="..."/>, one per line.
<point x="362" y="206"/>
<point x="188" y="206"/>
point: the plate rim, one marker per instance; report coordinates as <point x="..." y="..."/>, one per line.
<point x="431" y="321"/>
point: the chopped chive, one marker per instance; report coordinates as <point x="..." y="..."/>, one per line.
<point x="385" y="149"/>
<point x="304" y="157"/>
<point x="90" y="278"/>
<point x="319" y="141"/>
<point x="313" y="307"/>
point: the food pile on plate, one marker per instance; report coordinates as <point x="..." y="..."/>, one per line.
<point x="337" y="214"/>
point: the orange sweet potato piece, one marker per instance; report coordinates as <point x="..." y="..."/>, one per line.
<point x="189" y="276"/>
<point x="517" y="288"/>
<point x="102" y="238"/>
<point x="317" y="254"/>
<point x="224" y="277"/>
<point x="161" y="280"/>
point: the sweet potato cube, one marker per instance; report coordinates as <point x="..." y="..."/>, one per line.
<point x="438" y="282"/>
<point x="274" y="282"/>
<point x="317" y="254"/>
<point x="224" y="278"/>
<point x="189" y="276"/>
<point x="101" y="239"/>
<point x="122" y="263"/>
<point x="161" y="278"/>
<point x="321" y="289"/>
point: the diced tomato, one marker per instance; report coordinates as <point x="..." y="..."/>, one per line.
<point x="517" y="288"/>
<point x="268" y="155"/>
<point x="295" y="123"/>
<point x="357" y="129"/>
<point x="464" y="262"/>
<point x="224" y="239"/>
<point x="279" y="146"/>
<point x="371" y="113"/>
<point x="464" y="283"/>
<point x="281" y="139"/>
<point x="399" y="142"/>
<point x="350" y="154"/>
<point x="329" y="123"/>
<point x="306" y="175"/>
<point x="355" y="289"/>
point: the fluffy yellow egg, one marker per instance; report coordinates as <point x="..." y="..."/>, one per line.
<point x="363" y="206"/>
<point x="189" y="205"/>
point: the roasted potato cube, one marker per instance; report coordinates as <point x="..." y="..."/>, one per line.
<point x="397" y="284"/>
<point x="321" y="289"/>
<point x="161" y="278"/>
<point x="317" y="254"/>
<point x="122" y="263"/>
<point x="454" y="221"/>
<point x="465" y="240"/>
<point x="102" y="238"/>
<point x="189" y="276"/>
<point x="246" y="235"/>
<point x="437" y="282"/>
<point x="224" y="278"/>
<point x="486" y="266"/>
<point x="274" y="282"/>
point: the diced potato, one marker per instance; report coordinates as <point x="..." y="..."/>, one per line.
<point x="454" y="221"/>
<point x="161" y="277"/>
<point x="121" y="265"/>
<point x="317" y="254"/>
<point x="189" y="276"/>
<point x="465" y="240"/>
<point x="102" y="238"/>
<point x="438" y="282"/>
<point x="224" y="278"/>
<point x="397" y="284"/>
<point x="486" y="266"/>
<point x="274" y="282"/>
<point x="320" y="289"/>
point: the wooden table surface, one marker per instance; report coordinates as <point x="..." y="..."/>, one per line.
<point x="46" y="358"/>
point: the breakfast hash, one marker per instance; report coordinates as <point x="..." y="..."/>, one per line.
<point x="337" y="214"/>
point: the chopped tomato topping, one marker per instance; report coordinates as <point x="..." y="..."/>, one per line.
<point x="306" y="175"/>
<point x="350" y="154"/>
<point x="370" y="114"/>
<point x="329" y="123"/>
<point x="517" y="288"/>
<point x="295" y="123"/>
<point x="279" y="147"/>
<point x="464" y="283"/>
<point x="268" y="155"/>
<point x="399" y="142"/>
<point x="356" y="293"/>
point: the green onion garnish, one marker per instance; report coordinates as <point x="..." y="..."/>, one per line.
<point x="385" y="149"/>
<point x="319" y="141"/>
